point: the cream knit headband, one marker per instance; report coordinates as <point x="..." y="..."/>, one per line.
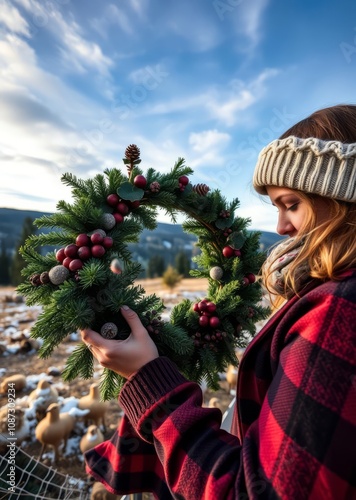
<point x="326" y="168"/>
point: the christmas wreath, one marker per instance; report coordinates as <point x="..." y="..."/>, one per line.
<point x="77" y="289"/>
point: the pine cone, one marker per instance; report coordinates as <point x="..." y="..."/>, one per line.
<point x="35" y="279"/>
<point x="132" y="152"/>
<point x="155" y="187"/>
<point x="201" y="189"/>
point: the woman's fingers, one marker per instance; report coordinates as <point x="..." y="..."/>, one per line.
<point x="92" y="338"/>
<point x="134" y="322"/>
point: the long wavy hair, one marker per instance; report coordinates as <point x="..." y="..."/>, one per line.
<point x="329" y="247"/>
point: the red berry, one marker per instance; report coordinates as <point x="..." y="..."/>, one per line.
<point x="140" y="181"/>
<point x="204" y="321"/>
<point x="203" y="305"/>
<point x="112" y="200"/>
<point x="82" y="240"/>
<point x="214" y="322"/>
<point x="251" y="277"/>
<point x="66" y="262"/>
<point x="60" y="255"/>
<point x="71" y="250"/>
<point x="196" y="307"/>
<point x="96" y="238"/>
<point x="211" y="307"/>
<point x="84" y="253"/>
<point x="107" y="242"/>
<point x="118" y="217"/>
<point x="75" y="265"/>
<point x="97" y="251"/>
<point x="245" y="281"/>
<point x="237" y="253"/>
<point x="183" y="179"/>
<point x="134" y="204"/>
<point x="228" y="252"/>
<point x="122" y="208"/>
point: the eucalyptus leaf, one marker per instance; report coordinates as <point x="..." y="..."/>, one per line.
<point x="223" y="223"/>
<point x="236" y="240"/>
<point x="128" y="191"/>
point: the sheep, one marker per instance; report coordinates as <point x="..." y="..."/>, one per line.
<point x="53" y="429"/>
<point x="99" y="492"/>
<point x="231" y="376"/>
<point x="92" y="437"/>
<point x="96" y="407"/>
<point x="16" y="382"/>
<point x="215" y="403"/>
<point x="42" y="397"/>
<point x="21" y="428"/>
<point x="28" y="345"/>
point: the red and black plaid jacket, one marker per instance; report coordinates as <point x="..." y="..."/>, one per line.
<point x="294" y="436"/>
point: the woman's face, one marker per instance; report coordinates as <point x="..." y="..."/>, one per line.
<point x="293" y="210"/>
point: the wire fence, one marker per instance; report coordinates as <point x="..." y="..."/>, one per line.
<point x="25" y="477"/>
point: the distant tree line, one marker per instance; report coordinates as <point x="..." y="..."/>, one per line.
<point x="11" y="263"/>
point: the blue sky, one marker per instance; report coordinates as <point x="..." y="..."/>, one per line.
<point x="212" y="81"/>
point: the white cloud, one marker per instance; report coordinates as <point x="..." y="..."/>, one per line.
<point x="248" y="20"/>
<point x="11" y="18"/>
<point x="78" y="53"/>
<point x="208" y="139"/>
<point x="227" y="106"/>
<point x="112" y="16"/>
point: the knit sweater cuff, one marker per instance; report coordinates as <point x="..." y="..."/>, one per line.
<point x="152" y="382"/>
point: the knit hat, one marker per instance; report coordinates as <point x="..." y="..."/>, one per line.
<point x="326" y="168"/>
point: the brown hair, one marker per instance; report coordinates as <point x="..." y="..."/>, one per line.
<point x="330" y="247"/>
<point x="337" y="123"/>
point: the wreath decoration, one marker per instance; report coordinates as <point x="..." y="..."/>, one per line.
<point x="77" y="288"/>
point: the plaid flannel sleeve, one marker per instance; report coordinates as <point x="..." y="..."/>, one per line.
<point x="305" y="437"/>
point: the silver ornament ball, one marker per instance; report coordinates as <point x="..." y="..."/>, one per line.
<point x="216" y="273"/>
<point x="108" y="221"/>
<point x="58" y="274"/>
<point x="109" y="330"/>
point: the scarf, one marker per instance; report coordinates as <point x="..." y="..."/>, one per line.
<point x="279" y="262"/>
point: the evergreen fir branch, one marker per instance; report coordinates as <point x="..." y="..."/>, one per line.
<point x="70" y="219"/>
<point x="39" y="295"/>
<point x="101" y="187"/>
<point x="51" y="239"/>
<point x="93" y="273"/>
<point x="175" y="339"/>
<point x="79" y="363"/>
<point x="110" y="385"/>
<point x="180" y="168"/>
<point x="72" y="181"/>
<point x="127" y="231"/>
<point x="146" y="217"/>
<point x="31" y="256"/>
<point x="115" y="179"/>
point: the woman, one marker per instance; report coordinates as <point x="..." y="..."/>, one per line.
<point x="294" y="431"/>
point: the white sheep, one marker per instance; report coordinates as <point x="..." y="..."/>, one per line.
<point x="93" y="403"/>
<point x="54" y="429"/>
<point x="44" y="395"/>
<point x="92" y="437"/>
<point x="16" y="382"/>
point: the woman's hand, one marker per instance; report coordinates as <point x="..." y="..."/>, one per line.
<point x="124" y="357"/>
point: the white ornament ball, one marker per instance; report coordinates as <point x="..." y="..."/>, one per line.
<point x="216" y="273"/>
<point x="115" y="266"/>
<point x="100" y="231"/>
<point x="109" y="330"/>
<point x="108" y="221"/>
<point x="58" y="274"/>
